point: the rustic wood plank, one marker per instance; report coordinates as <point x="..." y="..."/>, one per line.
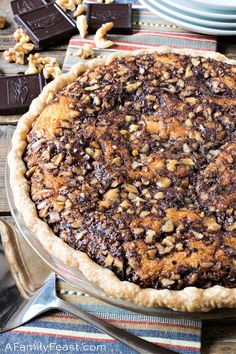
<point x="6" y="132"/>
<point x="227" y="46"/>
<point x="219" y="337"/>
<point x="9" y="119"/>
<point x="215" y="347"/>
<point x="7" y="41"/>
<point x="5" y="10"/>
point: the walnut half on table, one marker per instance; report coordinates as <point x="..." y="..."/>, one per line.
<point x="3" y="22"/>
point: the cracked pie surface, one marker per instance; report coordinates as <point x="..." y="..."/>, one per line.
<point x="131" y="171"/>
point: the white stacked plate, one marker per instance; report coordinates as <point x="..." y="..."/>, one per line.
<point x="216" y="17"/>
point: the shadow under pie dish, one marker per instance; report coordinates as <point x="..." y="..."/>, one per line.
<point x="125" y="169"/>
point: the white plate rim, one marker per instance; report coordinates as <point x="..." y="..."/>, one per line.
<point x="198" y="11"/>
<point x="198" y="21"/>
<point x="193" y="28"/>
<point x="230" y="4"/>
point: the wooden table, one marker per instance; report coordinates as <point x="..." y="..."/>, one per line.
<point x="219" y="337"/>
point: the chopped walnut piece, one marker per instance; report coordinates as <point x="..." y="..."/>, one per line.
<point x="171" y="165"/>
<point x="192" y="278"/>
<point x="195" y="61"/>
<point x="159" y="195"/>
<point x="30" y="172"/>
<point x="79" y="10"/>
<point x="109" y="198"/>
<point x="198" y="235"/>
<point x="35" y="58"/>
<point x="136" y="165"/>
<point x="3" y="22"/>
<point x="179" y="246"/>
<point x="133" y="127"/>
<point x="188" y="161"/>
<point x="49" y="61"/>
<point x="66" y="4"/>
<point x="152" y="253"/>
<point x="109" y="260"/>
<point x="117" y="161"/>
<point x="17" y="54"/>
<point x="24" y="48"/>
<point x="164" y="182"/>
<point x="20" y="36"/>
<point x="100" y="36"/>
<point x="168" y="241"/>
<point x="231" y="227"/>
<point x="168" y="226"/>
<point x="118" y="263"/>
<point x="48" y="65"/>
<point x="80" y="234"/>
<point x="167" y="282"/>
<point x="10" y="55"/>
<point x="150" y="234"/>
<point x="138" y="230"/>
<point x="35" y="64"/>
<point x="50" y="72"/>
<point x="85" y="51"/>
<point x="186" y="148"/>
<point x="131" y="188"/>
<point x="132" y="87"/>
<point x="188" y="72"/>
<point x="211" y="224"/>
<point x="180" y="83"/>
<point x="82" y="25"/>
<point x="191" y="100"/>
<point x="207" y="264"/>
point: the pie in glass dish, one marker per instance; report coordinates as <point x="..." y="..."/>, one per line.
<point x="125" y="169"/>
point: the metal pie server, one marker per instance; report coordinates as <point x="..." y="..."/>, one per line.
<point x="28" y="289"/>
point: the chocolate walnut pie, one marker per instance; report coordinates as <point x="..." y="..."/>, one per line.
<point x="129" y="175"/>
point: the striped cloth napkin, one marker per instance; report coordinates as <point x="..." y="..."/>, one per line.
<point x="58" y="332"/>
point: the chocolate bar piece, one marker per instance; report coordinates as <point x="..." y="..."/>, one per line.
<point x="119" y="14"/>
<point x="21" y="6"/>
<point x="17" y="92"/>
<point x="46" y="25"/>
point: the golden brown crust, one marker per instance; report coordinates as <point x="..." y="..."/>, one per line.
<point x="190" y="299"/>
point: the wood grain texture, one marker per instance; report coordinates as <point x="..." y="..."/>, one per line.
<point x="219" y="337"/>
<point x="9" y="119"/>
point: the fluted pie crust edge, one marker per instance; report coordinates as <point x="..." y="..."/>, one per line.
<point x="189" y="299"/>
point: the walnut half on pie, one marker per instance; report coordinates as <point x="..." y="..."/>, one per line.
<point x="129" y="175"/>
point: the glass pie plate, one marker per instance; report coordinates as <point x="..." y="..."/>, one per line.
<point x="76" y="278"/>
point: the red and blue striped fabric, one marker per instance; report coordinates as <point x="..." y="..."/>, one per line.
<point x="58" y="332"/>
